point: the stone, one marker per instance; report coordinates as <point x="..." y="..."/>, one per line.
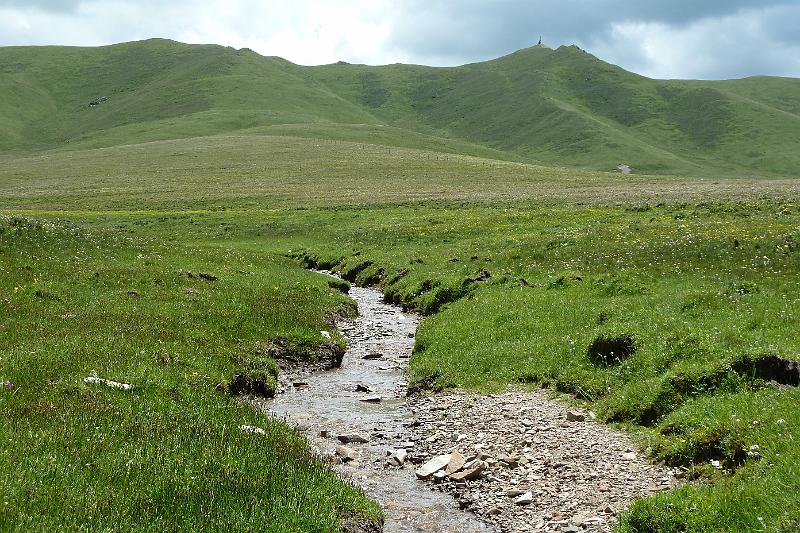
<point x="372" y="356"/>
<point x="94" y="380"/>
<point x="346" y="454"/>
<point x="456" y="463"/>
<point x="575" y="416"/>
<point x="324" y="433"/>
<point x="629" y="456"/>
<point x="433" y="466"/>
<point x="362" y="388"/>
<point x="370" y="399"/>
<point x="253" y="429"/>
<point x="352" y="438"/>
<point x="398" y="458"/>
<point x="524" y="499"/>
<point x="457" y="437"/>
<point x="471" y="471"/>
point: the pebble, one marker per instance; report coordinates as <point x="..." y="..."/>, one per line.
<point x="524" y="499"/>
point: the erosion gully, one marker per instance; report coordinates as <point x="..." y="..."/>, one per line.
<point x="327" y="404"/>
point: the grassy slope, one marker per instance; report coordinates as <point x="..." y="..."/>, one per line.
<point x="560" y="106"/>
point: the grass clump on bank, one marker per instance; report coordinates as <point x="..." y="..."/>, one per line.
<point x="168" y="454"/>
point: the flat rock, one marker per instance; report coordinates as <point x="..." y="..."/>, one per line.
<point x="346" y="454"/>
<point x="108" y="383"/>
<point x="398" y="458"/>
<point x="370" y="399"/>
<point x="433" y="466"/>
<point x="471" y="471"/>
<point x="457" y="462"/>
<point x="575" y="416"/>
<point x="524" y="499"/>
<point x="352" y="437"/>
<point x="372" y="356"/>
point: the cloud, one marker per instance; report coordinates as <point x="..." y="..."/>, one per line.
<point x="747" y="43"/>
<point x="679" y="38"/>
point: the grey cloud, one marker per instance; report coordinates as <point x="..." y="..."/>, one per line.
<point x="453" y="32"/>
<point x="56" y="6"/>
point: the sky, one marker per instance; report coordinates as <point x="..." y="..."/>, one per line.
<point x="699" y="39"/>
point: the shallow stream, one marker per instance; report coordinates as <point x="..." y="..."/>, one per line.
<point x="328" y="404"/>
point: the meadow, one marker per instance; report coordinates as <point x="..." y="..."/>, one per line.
<point x="667" y="304"/>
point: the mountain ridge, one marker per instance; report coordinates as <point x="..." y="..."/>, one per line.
<point x="548" y="106"/>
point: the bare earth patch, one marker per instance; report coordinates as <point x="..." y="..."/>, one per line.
<point x="547" y="467"/>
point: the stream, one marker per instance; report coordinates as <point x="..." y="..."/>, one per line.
<point x="328" y="404"/>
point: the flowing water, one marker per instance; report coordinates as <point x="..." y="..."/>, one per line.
<point x="329" y="402"/>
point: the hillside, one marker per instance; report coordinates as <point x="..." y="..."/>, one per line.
<point x="557" y="107"/>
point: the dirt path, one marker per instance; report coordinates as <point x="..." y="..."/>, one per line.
<point x="533" y="469"/>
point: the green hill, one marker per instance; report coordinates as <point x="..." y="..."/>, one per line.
<point x="558" y="107"/>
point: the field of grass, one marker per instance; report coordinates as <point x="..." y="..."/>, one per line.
<point x="169" y="454"/>
<point x="527" y="275"/>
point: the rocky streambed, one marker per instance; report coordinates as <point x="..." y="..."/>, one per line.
<point x="459" y="462"/>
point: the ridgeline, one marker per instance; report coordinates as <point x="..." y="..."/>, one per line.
<point x="561" y="107"/>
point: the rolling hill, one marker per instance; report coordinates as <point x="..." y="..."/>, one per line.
<point x="557" y="107"/>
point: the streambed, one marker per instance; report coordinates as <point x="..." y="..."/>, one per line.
<point x="328" y="404"/>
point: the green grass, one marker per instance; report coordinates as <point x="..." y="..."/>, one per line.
<point x="556" y="107"/>
<point x="169" y="454"/>
<point x="701" y="288"/>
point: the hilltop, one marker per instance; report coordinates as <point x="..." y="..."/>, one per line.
<point x="550" y="106"/>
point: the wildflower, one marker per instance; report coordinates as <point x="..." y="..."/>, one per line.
<point x="8" y="385"/>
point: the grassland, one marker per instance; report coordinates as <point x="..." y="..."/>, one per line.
<point x="699" y="274"/>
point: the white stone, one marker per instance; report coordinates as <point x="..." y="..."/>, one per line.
<point x="253" y="429"/>
<point x="108" y="383"/>
<point x="433" y="466"/>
